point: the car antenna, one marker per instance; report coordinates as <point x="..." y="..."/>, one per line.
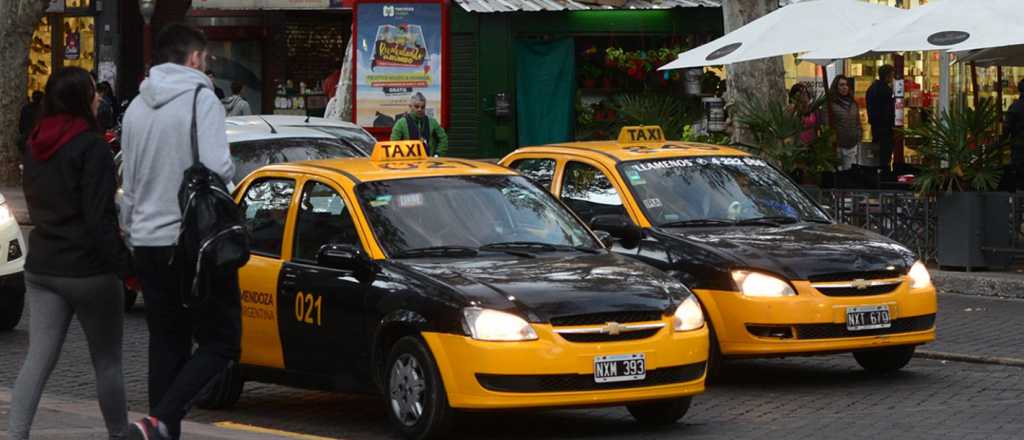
<point x="272" y="129"/>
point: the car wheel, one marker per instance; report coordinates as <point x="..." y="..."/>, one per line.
<point x="224" y="391"/>
<point x="660" y="412"/>
<point x="130" y="296"/>
<point x="714" y="369"/>
<point x="417" y="401"/>
<point x="12" y="303"/>
<point x="885" y="360"/>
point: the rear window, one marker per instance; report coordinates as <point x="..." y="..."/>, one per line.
<point x="250" y="155"/>
<point x="356" y="137"/>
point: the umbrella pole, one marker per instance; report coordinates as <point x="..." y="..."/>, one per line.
<point x="828" y="106"/>
<point x="974" y="84"/>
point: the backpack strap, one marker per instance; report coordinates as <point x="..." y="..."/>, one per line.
<point x="195" y="134"/>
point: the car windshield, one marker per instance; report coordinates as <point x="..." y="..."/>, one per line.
<point x="249" y="155"/>
<point x="358" y="138"/>
<point x="716" y="190"/>
<point x="467" y="213"/>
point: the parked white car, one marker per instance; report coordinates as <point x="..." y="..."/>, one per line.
<point x="12" y="268"/>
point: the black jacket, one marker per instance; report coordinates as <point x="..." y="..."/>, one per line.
<point x="881" y="107"/>
<point x="70" y="195"/>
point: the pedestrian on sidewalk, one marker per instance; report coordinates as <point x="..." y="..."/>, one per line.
<point x="1014" y="130"/>
<point x="77" y="255"/>
<point x="416" y="125"/>
<point x="157" y="151"/>
<point x="236" y="105"/>
<point x="847" y="121"/>
<point x="882" y="116"/>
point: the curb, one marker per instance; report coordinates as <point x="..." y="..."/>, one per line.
<point x="969" y="358"/>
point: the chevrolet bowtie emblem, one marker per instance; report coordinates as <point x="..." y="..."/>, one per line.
<point x="612" y="328"/>
<point x="860" y="284"/>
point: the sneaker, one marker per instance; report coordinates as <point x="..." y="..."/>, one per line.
<point x="148" y="428"/>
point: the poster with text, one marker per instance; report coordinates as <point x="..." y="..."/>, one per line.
<point x="398" y="54"/>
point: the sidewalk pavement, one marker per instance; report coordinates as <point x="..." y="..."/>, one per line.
<point x="67" y="419"/>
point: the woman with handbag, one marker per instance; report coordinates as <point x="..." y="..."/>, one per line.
<point x="847" y="121"/>
<point x="76" y="256"/>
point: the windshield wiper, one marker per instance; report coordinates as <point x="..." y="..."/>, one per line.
<point x="438" y="251"/>
<point x="816" y="220"/>
<point x="774" y="220"/>
<point x="697" y="222"/>
<point x="535" y="246"/>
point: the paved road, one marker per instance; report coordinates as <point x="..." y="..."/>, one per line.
<point x="785" y="398"/>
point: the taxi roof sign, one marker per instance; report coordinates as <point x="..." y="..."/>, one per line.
<point x="399" y="150"/>
<point x="641" y="134"/>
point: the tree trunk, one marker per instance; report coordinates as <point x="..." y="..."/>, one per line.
<point x="766" y="77"/>
<point x="18" y="19"/>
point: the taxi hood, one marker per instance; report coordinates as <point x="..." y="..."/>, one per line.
<point x="557" y="284"/>
<point x="800" y="251"/>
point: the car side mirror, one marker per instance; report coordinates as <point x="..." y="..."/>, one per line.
<point x="342" y="257"/>
<point x="618" y="226"/>
<point x="606" y="238"/>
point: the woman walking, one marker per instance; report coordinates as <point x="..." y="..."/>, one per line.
<point x="847" y="125"/>
<point x="76" y="253"/>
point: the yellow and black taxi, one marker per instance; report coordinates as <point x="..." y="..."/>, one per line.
<point x="452" y="285"/>
<point x="774" y="274"/>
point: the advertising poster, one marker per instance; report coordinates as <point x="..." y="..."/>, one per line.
<point x="398" y="54"/>
<point x="72" y="45"/>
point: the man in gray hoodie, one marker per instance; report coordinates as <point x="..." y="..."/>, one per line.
<point x="156" y="145"/>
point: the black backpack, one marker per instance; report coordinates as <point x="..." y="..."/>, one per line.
<point x="212" y="237"/>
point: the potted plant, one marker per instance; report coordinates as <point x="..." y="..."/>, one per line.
<point x="962" y="156"/>
<point x="776" y="129"/>
<point x="589" y="75"/>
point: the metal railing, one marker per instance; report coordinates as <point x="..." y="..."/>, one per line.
<point x="908" y="218"/>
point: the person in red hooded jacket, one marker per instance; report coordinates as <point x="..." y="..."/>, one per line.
<point x="77" y="255"/>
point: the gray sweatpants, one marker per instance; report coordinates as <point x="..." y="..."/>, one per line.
<point x="98" y="302"/>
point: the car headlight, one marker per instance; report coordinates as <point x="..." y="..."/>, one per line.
<point x="5" y="213"/>
<point x="919" y="277"/>
<point x="688" y="316"/>
<point x="757" y="284"/>
<point x="492" y="325"/>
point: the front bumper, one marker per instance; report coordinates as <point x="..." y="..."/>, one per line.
<point x="552" y="371"/>
<point x="815" y="323"/>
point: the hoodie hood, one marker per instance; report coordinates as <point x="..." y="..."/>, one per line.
<point x="231" y="102"/>
<point x="169" y="81"/>
<point x="54" y="132"/>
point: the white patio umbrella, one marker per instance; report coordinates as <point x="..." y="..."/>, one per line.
<point x="796" y="28"/>
<point x="998" y="56"/>
<point x="943" y="25"/>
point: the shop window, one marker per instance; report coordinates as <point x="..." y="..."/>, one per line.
<point x="79" y="40"/>
<point x="77" y="4"/>
<point x="40" y="56"/>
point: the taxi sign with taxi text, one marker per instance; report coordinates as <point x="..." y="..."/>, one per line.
<point x="641" y="134"/>
<point x="399" y="150"/>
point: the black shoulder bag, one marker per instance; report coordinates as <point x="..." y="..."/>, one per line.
<point x="212" y="237"/>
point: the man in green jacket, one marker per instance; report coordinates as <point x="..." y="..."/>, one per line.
<point x="416" y="125"/>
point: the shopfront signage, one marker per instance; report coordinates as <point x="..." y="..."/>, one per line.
<point x="723" y="51"/>
<point x="398" y="54"/>
<point x="268" y="4"/>
<point x="948" y="38"/>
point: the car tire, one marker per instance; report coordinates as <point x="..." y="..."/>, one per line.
<point x="714" y="369"/>
<point x="422" y="414"/>
<point x="660" y="412"/>
<point x="885" y="360"/>
<point x="12" y="304"/>
<point x="130" y="297"/>
<point x="224" y="391"/>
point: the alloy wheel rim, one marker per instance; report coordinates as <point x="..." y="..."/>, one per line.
<point x="407" y="386"/>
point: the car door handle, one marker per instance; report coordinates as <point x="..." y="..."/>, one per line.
<point x="289" y="279"/>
